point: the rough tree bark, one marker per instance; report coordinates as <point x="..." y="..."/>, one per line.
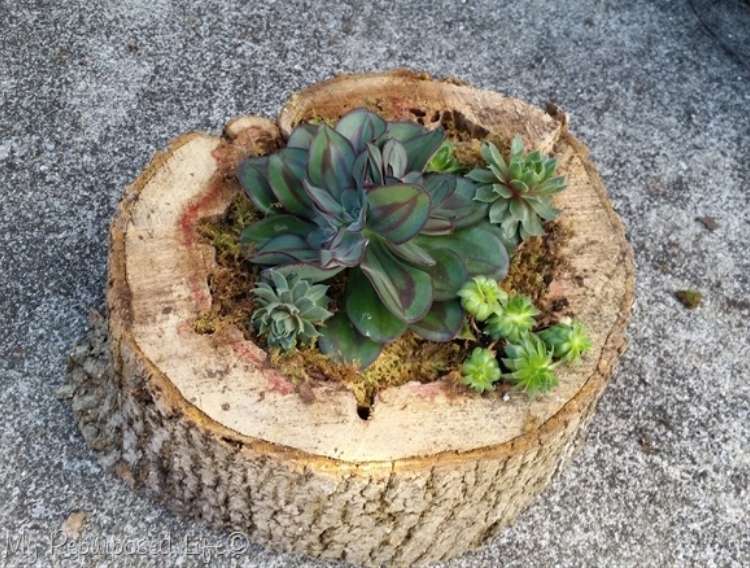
<point x="209" y="428"/>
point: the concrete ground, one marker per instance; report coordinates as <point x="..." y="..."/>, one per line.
<point x="660" y="91"/>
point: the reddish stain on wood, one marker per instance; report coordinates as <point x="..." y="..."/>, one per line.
<point x="276" y="382"/>
<point x="249" y="352"/>
<point x="430" y="391"/>
<point x="185" y="328"/>
<point x="205" y="205"/>
<point x="198" y="208"/>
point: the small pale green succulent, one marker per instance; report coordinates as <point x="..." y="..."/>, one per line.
<point x="482" y="297"/>
<point x="513" y="320"/>
<point x="480" y="370"/>
<point x="290" y="310"/>
<point x="530" y="364"/>
<point x="519" y="190"/>
<point x="444" y="161"/>
<point x="567" y="340"/>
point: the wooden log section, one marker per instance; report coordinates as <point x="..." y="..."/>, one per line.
<point x="209" y="428"/>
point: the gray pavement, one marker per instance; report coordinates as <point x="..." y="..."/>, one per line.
<point x="659" y="90"/>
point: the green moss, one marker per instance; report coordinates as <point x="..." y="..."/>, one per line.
<point x="535" y="262"/>
<point x="406" y="359"/>
<point x="234" y="278"/>
<point x="328" y="121"/>
<point x="691" y="299"/>
<point x="409" y="358"/>
<point x="206" y="323"/>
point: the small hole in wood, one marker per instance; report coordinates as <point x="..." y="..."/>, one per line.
<point x="363" y="412"/>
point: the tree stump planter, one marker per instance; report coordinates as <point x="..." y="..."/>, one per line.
<point x="209" y="428"/>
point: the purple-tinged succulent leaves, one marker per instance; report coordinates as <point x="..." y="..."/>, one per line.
<point x="302" y="136"/>
<point x="273" y="226"/>
<point x="480" y="250"/>
<point x="448" y="274"/>
<point x="367" y="312"/>
<point x="331" y="161"/>
<point x="346" y="248"/>
<point x="356" y="196"/>
<point x="453" y="206"/>
<point x="360" y="127"/>
<point x="397" y="212"/>
<point x="412" y="253"/>
<point x="285" y="249"/>
<point x="340" y="340"/>
<point x="286" y="171"/>
<point x="310" y="272"/>
<point x="253" y="176"/>
<point x="442" y="323"/>
<point x="405" y="290"/>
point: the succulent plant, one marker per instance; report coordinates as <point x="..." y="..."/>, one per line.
<point x="357" y="197"/>
<point x="444" y="160"/>
<point x="290" y="310"/>
<point x="530" y="364"/>
<point x="518" y="190"/>
<point x="513" y="320"/>
<point x="482" y="297"/>
<point x="480" y="370"/>
<point x="567" y="340"/>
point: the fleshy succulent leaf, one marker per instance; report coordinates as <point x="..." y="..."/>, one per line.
<point x="531" y="366"/>
<point x="340" y="340"/>
<point x="567" y="340"/>
<point x="406" y="291"/>
<point x="453" y="203"/>
<point x="421" y="148"/>
<point x="286" y="171"/>
<point x="395" y="159"/>
<point x="272" y="226"/>
<point x="444" y="160"/>
<point x="323" y="199"/>
<point x="481" y="175"/>
<point x="412" y="253"/>
<point x="253" y="177"/>
<point x="302" y="136"/>
<point x="285" y="249"/>
<point x="375" y="161"/>
<point x="480" y="250"/>
<point x="345" y="249"/>
<point x="310" y="272"/>
<point x="442" y="323"/>
<point x="440" y="187"/>
<point x="519" y="189"/>
<point x="360" y="126"/>
<point x="331" y="161"/>
<point x="398" y="212"/>
<point x="367" y="312"/>
<point x="516" y="146"/>
<point x="482" y="297"/>
<point x="448" y="274"/>
<point x="289" y="310"/>
<point x="436" y="226"/>
<point x="514" y="320"/>
<point x="403" y="131"/>
<point x="480" y="370"/>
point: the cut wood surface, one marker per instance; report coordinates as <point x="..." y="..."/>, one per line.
<point x="214" y="430"/>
